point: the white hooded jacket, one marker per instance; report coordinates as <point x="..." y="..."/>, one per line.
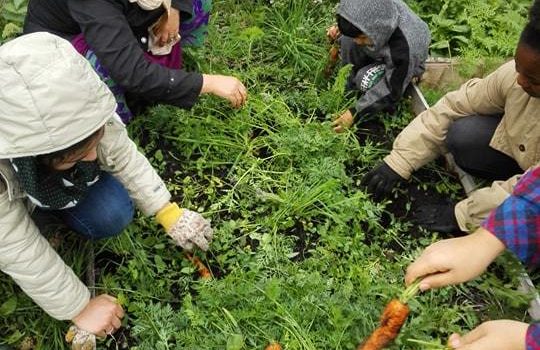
<point x="50" y="99"/>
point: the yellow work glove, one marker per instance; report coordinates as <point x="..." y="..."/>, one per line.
<point x="187" y="228"/>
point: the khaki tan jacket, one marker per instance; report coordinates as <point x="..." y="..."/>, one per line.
<point x="50" y="98"/>
<point x="516" y="136"/>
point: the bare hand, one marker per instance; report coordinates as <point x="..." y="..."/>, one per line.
<point x="492" y="335"/>
<point x="332" y="33"/>
<point x="343" y="122"/>
<point x="168" y="27"/>
<point x="101" y="316"/>
<point x="227" y="87"/>
<point x="454" y="261"/>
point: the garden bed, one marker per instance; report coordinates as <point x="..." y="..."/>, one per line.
<point x="301" y="254"/>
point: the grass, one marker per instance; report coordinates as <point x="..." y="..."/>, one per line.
<point x="301" y="255"/>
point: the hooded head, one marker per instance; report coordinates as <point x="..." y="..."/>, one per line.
<point x="378" y="19"/>
<point x="50" y="97"/>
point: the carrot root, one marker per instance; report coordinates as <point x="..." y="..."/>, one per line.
<point x="204" y="272"/>
<point x="273" y="346"/>
<point x="392" y="319"/>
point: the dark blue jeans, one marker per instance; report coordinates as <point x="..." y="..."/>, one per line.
<point x="106" y="210"/>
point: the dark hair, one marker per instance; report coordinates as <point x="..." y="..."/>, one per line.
<point x="347" y="28"/>
<point x="531" y="34"/>
<point x="52" y="159"/>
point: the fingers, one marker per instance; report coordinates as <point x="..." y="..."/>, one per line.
<point x="332" y="32"/>
<point x="473" y="336"/>
<point x="226" y="87"/>
<point x="202" y="233"/>
<point x="239" y="95"/>
<point x="200" y="242"/>
<point x="88" y="346"/>
<point x="116" y="323"/>
<point x="237" y="100"/>
<point x="435" y="273"/>
<point x="474" y="340"/>
<point x="339" y="125"/>
<point x="367" y="178"/>
<point x="339" y="129"/>
<point x="419" y="268"/>
<point x="119" y="312"/>
<point x="108" y="297"/>
<point x="377" y="187"/>
<point x="187" y="246"/>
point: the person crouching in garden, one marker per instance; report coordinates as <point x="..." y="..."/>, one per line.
<point x="64" y="150"/>
<point x="515" y="225"/>
<point x="136" y="48"/>
<point x="387" y="45"/>
<point x="489" y="125"/>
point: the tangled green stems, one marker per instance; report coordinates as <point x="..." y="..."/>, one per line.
<point x="410" y="292"/>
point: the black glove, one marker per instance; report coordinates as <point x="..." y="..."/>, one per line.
<point x="437" y="217"/>
<point x="380" y="181"/>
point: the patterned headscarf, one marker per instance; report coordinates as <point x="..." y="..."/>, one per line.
<point x="51" y="189"/>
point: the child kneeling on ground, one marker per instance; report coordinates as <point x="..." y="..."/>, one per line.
<point x="387" y="45"/>
<point x="64" y="150"/>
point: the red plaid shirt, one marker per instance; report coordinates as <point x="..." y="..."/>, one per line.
<point x="517" y="224"/>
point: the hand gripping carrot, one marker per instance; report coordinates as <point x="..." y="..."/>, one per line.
<point x="393" y="317"/>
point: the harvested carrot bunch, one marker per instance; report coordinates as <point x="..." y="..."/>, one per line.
<point x="204" y="272"/>
<point x="273" y="346"/>
<point x="392" y="319"/>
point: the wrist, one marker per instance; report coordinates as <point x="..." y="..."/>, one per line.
<point x="168" y="215"/>
<point x="207" y="85"/>
<point x="492" y="245"/>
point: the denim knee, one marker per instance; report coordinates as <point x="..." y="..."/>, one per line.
<point x="105" y="212"/>
<point x="111" y="223"/>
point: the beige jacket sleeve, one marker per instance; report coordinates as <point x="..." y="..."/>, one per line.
<point x="474" y="209"/>
<point x="120" y="157"/>
<point x="423" y="139"/>
<point x="34" y="265"/>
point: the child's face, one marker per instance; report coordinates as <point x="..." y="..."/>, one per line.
<point x="88" y="154"/>
<point x="363" y="40"/>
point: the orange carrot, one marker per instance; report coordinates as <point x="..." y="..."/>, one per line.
<point x="204" y="272"/>
<point x="273" y="346"/>
<point x="333" y="57"/>
<point x="392" y="319"/>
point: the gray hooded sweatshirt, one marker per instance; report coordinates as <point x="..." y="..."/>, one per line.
<point x="400" y="42"/>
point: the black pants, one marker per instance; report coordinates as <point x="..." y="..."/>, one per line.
<point x="468" y="140"/>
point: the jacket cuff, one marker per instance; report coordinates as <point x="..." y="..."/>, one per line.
<point x="78" y="303"/>
<point x="532" y="339"/>
<point x="192" y="89"/>
<point x="460" y="211"/>
<point x="353" y="112"/>
<point x="161" y="200"/>
<point x="399" y="165"/>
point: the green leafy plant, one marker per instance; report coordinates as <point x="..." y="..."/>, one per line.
<point x="301" y="255"/>
<point x="12" y="18"/>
